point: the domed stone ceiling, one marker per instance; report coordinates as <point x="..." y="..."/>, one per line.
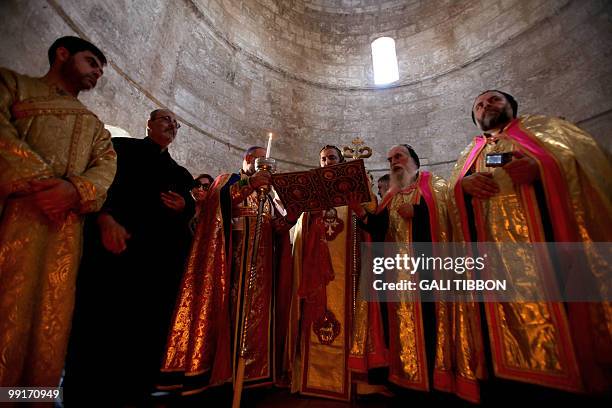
<point x="235" y="69"/>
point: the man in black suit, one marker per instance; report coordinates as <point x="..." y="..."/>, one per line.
<point x="134" y="256"/>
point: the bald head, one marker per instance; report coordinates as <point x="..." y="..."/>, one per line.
<point x="162" y="127"/>
<point x="251" y="154"/>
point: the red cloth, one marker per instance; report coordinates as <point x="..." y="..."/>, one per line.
<point x="317" y="272"/>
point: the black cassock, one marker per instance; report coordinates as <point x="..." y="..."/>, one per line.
<point x="124" y="302"/>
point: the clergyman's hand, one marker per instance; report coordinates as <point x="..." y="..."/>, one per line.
<point x="173" y="200"/>
<point x="354" y="203"/>
<point x="522" y="169"/>
<point x="114" y="235"/>
<point x="293" y="214"/>
<point x="406" y="211"/>
<point x="54" y="197"/>
<point x="480" y="185"/>
<point x="261" y="178"/>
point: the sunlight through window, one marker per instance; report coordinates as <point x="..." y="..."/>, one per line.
<point x="384" y="60"/>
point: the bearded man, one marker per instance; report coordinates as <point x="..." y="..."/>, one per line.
<point x="527" y="180"/>
<point x="324" y="252"/>
<point x="56" y="163"/>
<point x="412" y="211"/>
<point x="204" y="342"/>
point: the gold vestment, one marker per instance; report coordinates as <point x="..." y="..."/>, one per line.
<point x="43" y="133"/>
<point x="320" y="364"/>
<point x="406" y="357"/>
<point x="535" y="342"/>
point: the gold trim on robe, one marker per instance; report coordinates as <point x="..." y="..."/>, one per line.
<point x="203" y="343"/>
<point x="534" y="342"/>
<point x="320" y="368"/>
<point x="407" y="361"/>
<point x="43" y="133"/>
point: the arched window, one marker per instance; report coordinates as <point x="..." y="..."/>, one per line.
<point x="116" y="131"/>
<point x="384" y="60"/>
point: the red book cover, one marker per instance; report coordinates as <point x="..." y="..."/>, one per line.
<point x="323" y="187"/>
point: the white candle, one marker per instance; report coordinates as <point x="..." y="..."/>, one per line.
<point x="269" y="145"/>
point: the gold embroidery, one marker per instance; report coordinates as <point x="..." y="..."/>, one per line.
<point x="333" y="224"/>
<point x="326" y="327"/>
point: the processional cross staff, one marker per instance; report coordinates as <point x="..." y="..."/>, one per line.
<point x="266" y="164"/>
<point x="358" y="150"/>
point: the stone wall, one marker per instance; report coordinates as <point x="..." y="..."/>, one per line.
<point x="235" y="69"/>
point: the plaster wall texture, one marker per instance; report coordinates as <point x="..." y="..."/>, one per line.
<point x="234" y="70"/>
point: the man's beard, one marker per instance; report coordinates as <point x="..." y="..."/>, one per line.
<point x="494" y="120"/>
<point x="401" y="178"/>
<point x="72" y="74"/>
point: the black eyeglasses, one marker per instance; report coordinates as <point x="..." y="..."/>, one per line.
<point x="168" y="119"/>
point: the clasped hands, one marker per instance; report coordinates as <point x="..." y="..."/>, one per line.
<point x="522" y="170"/>
<point x="54" y="197"/>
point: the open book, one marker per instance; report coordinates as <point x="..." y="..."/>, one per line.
<point x="322" y="188"/>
